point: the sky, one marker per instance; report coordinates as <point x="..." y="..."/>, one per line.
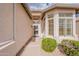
<point x="39" y="6"/>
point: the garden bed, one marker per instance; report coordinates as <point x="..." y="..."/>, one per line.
<point x="69" y="47"/>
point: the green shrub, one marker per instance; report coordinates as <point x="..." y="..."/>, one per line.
<point x="48" y="44"/>
<point x="70" y="47"/>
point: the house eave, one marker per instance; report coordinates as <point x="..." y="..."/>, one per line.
<point x="60" y="5"/>
<point x="27" y="10"/>
<point x="43" y="13"/>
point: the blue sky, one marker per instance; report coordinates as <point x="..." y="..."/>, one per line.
<point x="39" y="6"/>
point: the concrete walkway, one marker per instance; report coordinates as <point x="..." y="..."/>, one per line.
<point x="34" y="49"/>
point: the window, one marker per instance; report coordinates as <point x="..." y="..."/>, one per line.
<point x="77" y="14"/>
<point x="50" y="16"/>
<point x="69" y="26"/>
<point x="65" y="14"/>
<point x="51" y="27"/>
<point x="65" y="25"/>
<point x="51" y="24"/>
<point x="35" y="30"/>
<point x="35" y="27"/>
<point x="61" y="27"/>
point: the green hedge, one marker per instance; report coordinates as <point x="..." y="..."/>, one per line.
<point x="48" y="44"/>
<point x="69" y="47"/>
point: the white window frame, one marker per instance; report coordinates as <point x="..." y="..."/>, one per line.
<point x="52" y="25"/>
<point x="65" y="28"/>
<point x="47" y="24"/>
<point x="66" y="18"/>
<point x="56" y="25"/>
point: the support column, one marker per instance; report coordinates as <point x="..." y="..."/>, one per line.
<point x="74" y="26"/>
<point x="46" y="25"/>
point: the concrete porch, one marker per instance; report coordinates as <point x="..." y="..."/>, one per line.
<point x="34" y="49"/>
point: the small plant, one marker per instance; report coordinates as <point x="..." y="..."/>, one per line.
<point x="48" y="44"/>
<point x="69" y="47"/>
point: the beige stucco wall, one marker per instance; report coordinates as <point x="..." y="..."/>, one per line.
<point x="6" y="21"/>
<point x="6" y="29"/>
<point x="77" y="26"/>
<point x="22" y="28"/>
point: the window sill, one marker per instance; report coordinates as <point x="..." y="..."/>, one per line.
<point x="66" y="37"/>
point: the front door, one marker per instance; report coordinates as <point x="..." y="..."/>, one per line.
<point x="36" y="30"/>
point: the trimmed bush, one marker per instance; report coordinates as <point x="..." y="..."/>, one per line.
<point x="48" y="44"/>
<point x="69" y="47"/>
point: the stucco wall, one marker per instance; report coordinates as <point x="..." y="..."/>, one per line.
<point x="22" y="28"/>
<point x="6" y="30"/>
<point x="77" y="26"/>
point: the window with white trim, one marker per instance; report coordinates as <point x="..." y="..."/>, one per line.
<point x="65" y="24"/>
<point x="51" y="24"/>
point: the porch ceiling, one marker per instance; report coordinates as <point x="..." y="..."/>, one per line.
<point x="36" y="11"/>
<point x="36" y="15"/>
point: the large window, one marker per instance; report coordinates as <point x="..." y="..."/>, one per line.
<point x="51" y="27"/>
<point x="65" y="15"/>
<point x="65" y="24"/>
<point x="51" y="24"/>
<point x="61" y="26"/>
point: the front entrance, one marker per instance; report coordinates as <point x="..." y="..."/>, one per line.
<point x="36" y="30"/>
